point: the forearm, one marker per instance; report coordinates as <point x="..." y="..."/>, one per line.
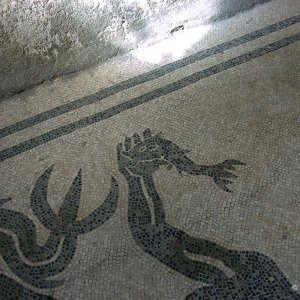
<point x="159" y="212"/>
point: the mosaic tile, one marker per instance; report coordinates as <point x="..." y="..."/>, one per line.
<point x="187" y="189"/>
<point x="147" y="76"/>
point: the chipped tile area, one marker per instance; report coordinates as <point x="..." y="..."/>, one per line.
<point x="180" y="186"/>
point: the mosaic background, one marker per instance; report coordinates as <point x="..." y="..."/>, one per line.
<point x="122" y="187"/>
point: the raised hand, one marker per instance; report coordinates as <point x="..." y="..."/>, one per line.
<point x="123" y="161"/>
<point x="140" y="155"/>
<point x="221" y="176"/>
<point x="126" y="162"/>
<point x="143" y="155"/>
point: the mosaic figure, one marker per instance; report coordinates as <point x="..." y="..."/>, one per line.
<point x="64" y="229"/>
<point x="138" y="159"/>
<point x="257" y="277"/>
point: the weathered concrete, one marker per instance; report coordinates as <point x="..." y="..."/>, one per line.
<point x="42" y="39"/>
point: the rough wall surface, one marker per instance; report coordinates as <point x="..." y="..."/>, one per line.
<point x="41" y="39"/>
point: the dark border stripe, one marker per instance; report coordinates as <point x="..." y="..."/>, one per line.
<point x="148" y="76"/>
<point x="134" y="102"/>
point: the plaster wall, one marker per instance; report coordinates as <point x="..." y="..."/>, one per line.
<point x="42" y="39"/>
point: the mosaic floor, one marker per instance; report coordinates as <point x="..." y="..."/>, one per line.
<point x="173" y="179"/>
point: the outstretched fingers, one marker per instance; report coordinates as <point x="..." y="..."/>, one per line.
<point x="231" y="168"/>
<point x="147" y="134"/>
<point x="222" y="184"/>
<point x="119" y="151"/>
<point x="227" y="174"/>
<point x="136" y="138"/>
<point x="228" y="163"/>
<point x="222" y="175"/>
<point x="235" y="162"/>
<point x="122" y="163"/>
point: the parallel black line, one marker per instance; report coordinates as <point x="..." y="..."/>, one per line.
<point x="148" y="76"/>
<point x="134" y="102"/>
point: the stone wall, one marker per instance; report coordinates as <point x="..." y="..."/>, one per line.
<point x="42" y="39"/>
